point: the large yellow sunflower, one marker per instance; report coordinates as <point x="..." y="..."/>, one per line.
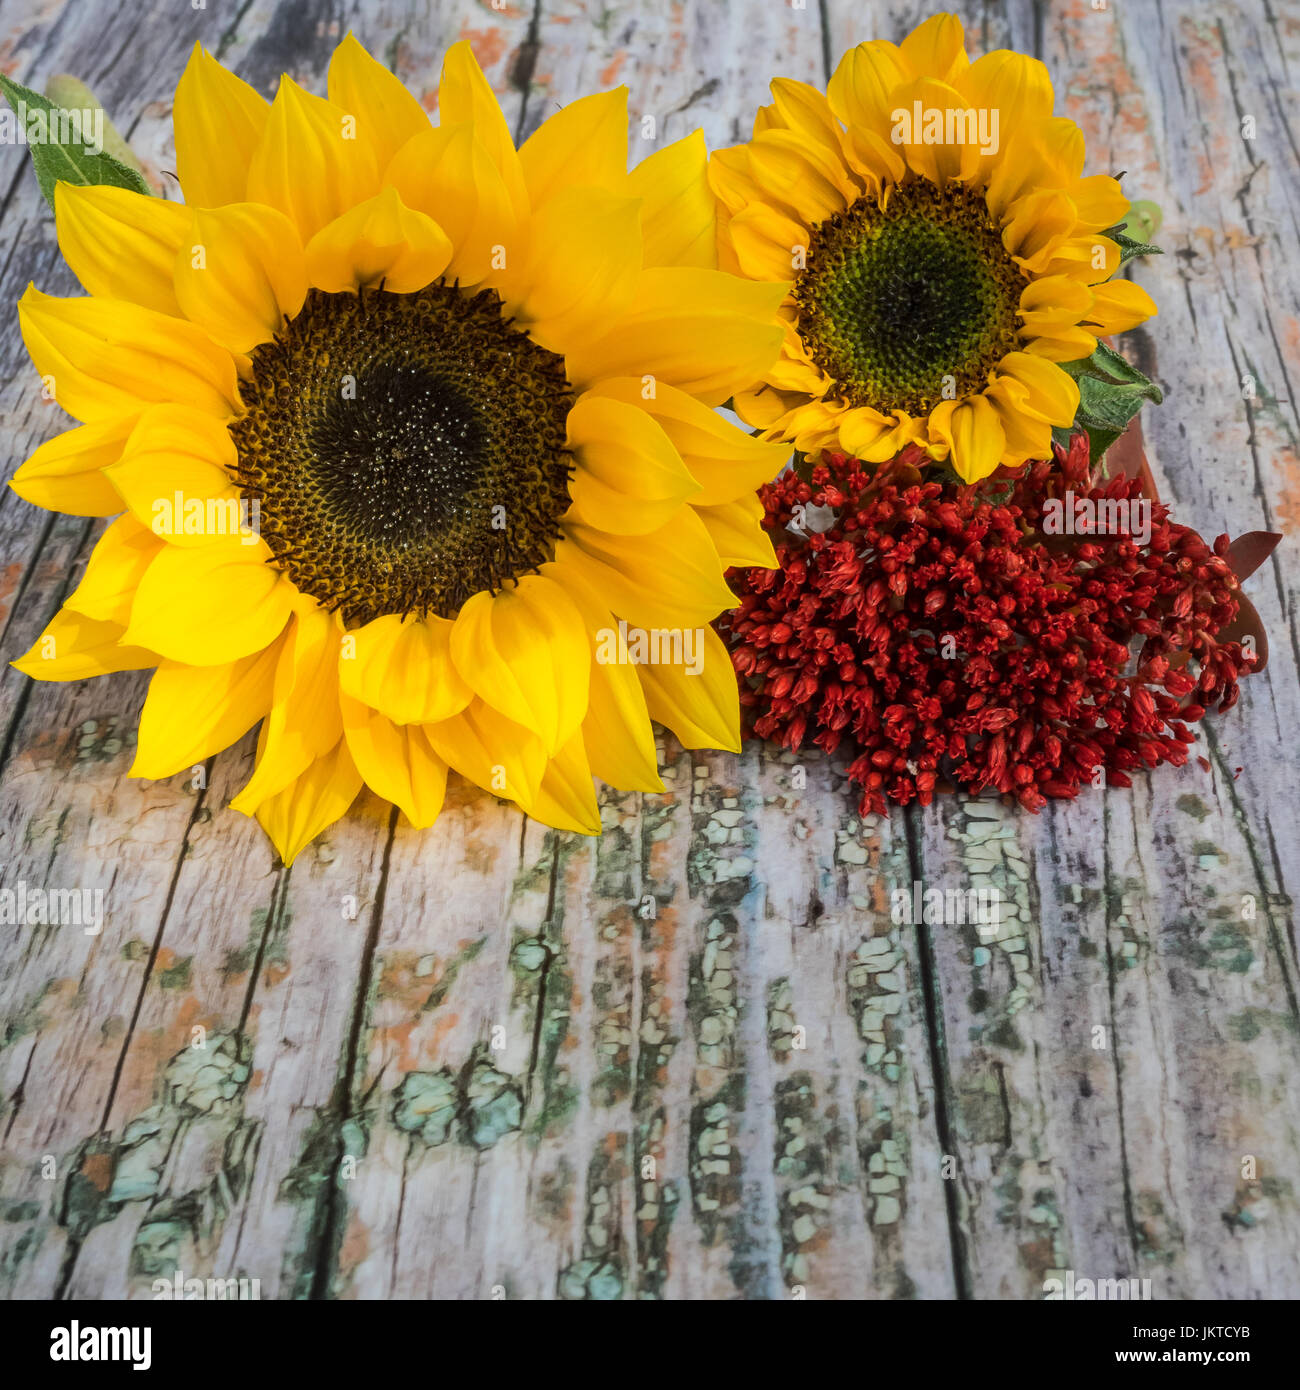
<point x="945" y="251"/>
<point x="461" y="399"/>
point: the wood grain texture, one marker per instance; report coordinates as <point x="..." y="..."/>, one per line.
<point x="695" y="1058"/>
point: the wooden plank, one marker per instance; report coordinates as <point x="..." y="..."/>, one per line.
<point x="1015" y="1007"/>
<point x="219" y="1183"/>
<point x="71" y="817"/>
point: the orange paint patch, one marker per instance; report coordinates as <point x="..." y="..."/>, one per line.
<point x="1291" y="337"/>
<point x="1288" y="501"/>
<point x="431" y="1047"/>
<point x="356" y="1243"/>
<point x="489" y="45"/>
<point x="879" y="897"/>
<point x="152" y="1049"/>
<point x="97" y="1169"/>
<point x="609" y="73"/>
<point x="10" y="578"/>
<point x="398" y="1038"/>
<point x="666" y="925"/>
<point x="400" y="988"/>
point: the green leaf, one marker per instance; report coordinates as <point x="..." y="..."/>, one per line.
<point x="1130" y="246"/>
<point x="1108" y="404"/>
<point x="73" y="162"/>
<point x="1111" y="392"/>
<point x="1099" y="440"/>
<point x="1128" y="249"/>
<point x="71" y="94"/>
<point x="1119" y="368"/>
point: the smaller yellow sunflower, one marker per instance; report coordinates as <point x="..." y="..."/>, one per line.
<point x="946" y="254"/>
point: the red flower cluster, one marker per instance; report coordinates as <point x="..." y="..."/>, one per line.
<point x="951" y="638"/>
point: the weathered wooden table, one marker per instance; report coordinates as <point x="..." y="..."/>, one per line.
<point x="697" y="1057"/>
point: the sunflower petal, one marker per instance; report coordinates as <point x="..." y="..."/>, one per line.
<point x="240" y="273"/>
<point x="629" y="478"/>
<point x="973" y="432"/>
<point x="192" y="712"/>
<point x="807" y="113"/>
<point x="294" y="816"/>
<point x="724" y="460"/>
<point x="1039" y="156"/>
<point x="703" y="331"/>
<point x="768" y="245"/>
<point x="678" y="213"/>
<point x="1118" y="306"/>
<point x="1051" y="394"/>
<point x="860" y="93"/>
<point x="942" y="159"/>
<point x="218" y="120"/>
<point x="446" y="172"/>
<point x="209" y="605"/>
<point x="936" y="48"/>
<point x="74" y="646"/>
<point x="379" y="240"/>
<point x="583" y="266"/>
<point x="861" y="87"/>
<point x="1062" y="344"/>
<point x="1055" y="299"/>
<point x="583" y="145"/>
<point x="402" y="667"/>
<point x="524" y="651"/>
<point x="1027" y="437"/>
<point x="387" y="115"/>
<point x="397" y="762"/>
<point x="782" y="165"/>
<point x="1036" y="226"/>
<point x="1017" y="86"/>
<point x="305" y="720"/>
<point x="1100" y="202"/>
<point x="702" y="710"/>
<point x="113" y="573"/>
<point x="491" y="751"/>
<point x="121" y="244"/>
<point x="464" y="95"/>
<point x="616" y="731"/>
<point x="667" y="578"/>
<point x="66" y="474"/>
<point x="566" y="797"/>
<point x="175" y="463"/>
<point x="307" y="164"/>
<point x="871" y="435"/>
<point x="732" y="182"/>
<point x="104" y="358"/>
<point x="737" y="534"/>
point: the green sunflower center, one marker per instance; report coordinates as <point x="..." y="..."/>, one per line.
<point x="908" y="305"/>
<point x="406" y="450"/>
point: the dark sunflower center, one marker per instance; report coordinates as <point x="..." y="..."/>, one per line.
<point x="907" y="305"/>
<point x="405" y="450"/>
